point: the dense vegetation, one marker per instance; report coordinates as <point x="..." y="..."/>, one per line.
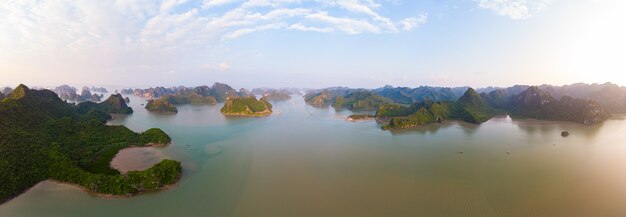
<point x="474" y="108"/>
<point x="189" y="97"/>
<point x="405" y="95"/>
<point x="247" y="106"/>
<point x="162" y="105"/>
<point x="469" y="108"/>
<point x="361" y="100"/>
<point x="43" y="137"/>
<point x="115" y="104"/>
<point x="167" y="103"/>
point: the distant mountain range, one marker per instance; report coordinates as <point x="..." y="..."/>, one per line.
<point x="583" y="103"/>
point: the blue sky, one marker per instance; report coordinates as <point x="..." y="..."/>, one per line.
<point x="311" y="43"/>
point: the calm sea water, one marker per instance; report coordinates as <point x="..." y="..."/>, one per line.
<point x="304" y="161"/>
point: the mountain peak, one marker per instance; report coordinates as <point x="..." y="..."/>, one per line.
<point x="471" y="97"/>
<point x="19" y="92"/>
<point x="470" y="91"/>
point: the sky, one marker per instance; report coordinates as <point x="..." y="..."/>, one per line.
<point x="312" y="43"/>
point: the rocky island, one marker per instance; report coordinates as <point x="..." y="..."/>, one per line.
<point x="115" y="104"/>
<point x="474" y="108"/>
<point x="67" y="92"/>
<point x="44" y="137"/>
<point x="246" y="106"/>
<point x="277" y="96"/>
<point x="162" y="105"/>
<point x="469" y="108"/>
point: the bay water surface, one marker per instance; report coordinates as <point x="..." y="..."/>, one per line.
<point x="306" y="161"/>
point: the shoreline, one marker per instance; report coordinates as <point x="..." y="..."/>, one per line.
<point x="99" y="195"/>
<point x="95" y="194"/>
<point x="263" y="114"/>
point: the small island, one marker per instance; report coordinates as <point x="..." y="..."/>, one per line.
<point x="246" y="106"/>
<point x="162" y="105"/>
<point x="277" y="96"/>
<point x="360" y="117"/>
<point x="46" y="138"/>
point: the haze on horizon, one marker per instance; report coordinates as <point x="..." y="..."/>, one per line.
<point x="312" y="43"/>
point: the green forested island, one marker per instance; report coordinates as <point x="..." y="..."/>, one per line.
<point x="469" y="108"/>
<point x="44" y="137"/>
<point x="403" y="107"/>
<point x="161" y="105"/>
<point x="474" y="108"/>
<point x="246" y="106"/>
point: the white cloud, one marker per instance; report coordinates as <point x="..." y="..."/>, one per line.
<point x="240" y="32"/>
<point x="348" y="25"/>
<point x="301" y="27"/>
<point x="367" y="7"/>
<point x="224" y="66"/>
<point x="128" y="35"/>
<point x="411" y="23"/>
<point x="213" y="3"/>
<point x="515" y="9"/>
<point x="210" y="67"/>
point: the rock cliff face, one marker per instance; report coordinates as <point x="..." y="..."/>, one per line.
<point x="6" y="91"/>
<point x="98" y="89"/>
<point x="67" y="92"/>
<point x="321" y="99"/>
<point x="127" y="91"/>
<point x="246" y="106"/>
<point x="222" y="92"/>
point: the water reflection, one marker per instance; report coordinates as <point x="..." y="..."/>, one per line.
<point x="432" y="128"/>
<point x="532" y="127"/>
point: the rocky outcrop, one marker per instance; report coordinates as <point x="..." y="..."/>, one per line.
<point x="276" y="96"/>
<point x="161" y="105"/>
<point x="115" y="104"/>
<point x="246" y="106"/>
<point x="538" y="104"/>
<point x="321" y="99"/>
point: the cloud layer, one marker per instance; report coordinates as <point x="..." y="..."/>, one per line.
<point x="515" y="9"/>
<point x="169" y="24"/>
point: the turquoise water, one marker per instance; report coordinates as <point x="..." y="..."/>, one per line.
<point x="304" y="161"/>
